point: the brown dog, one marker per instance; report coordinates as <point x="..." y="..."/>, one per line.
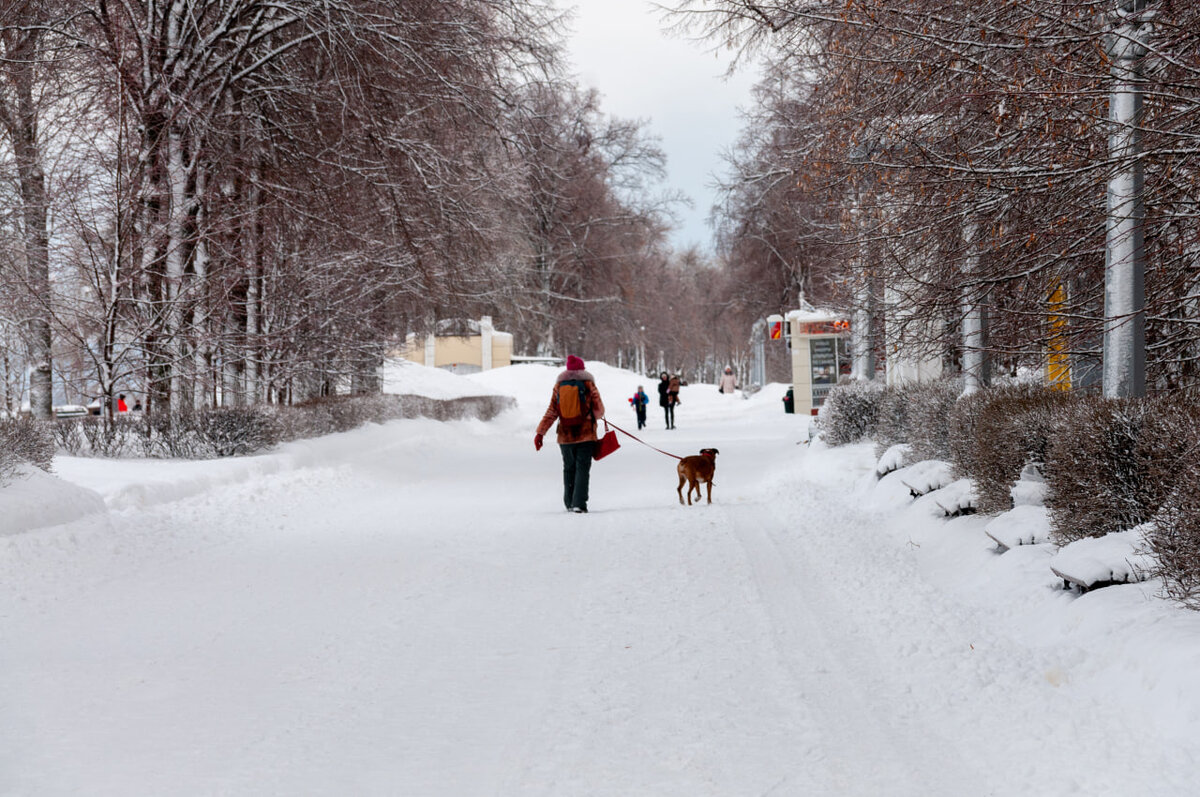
<point x="696" y="469"/>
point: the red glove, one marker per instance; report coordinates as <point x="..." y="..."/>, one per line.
<point x="537" y="442"/>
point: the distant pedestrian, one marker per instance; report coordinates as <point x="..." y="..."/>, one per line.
<point x="664" y="399"/>
<point x="575" y="403"/>
<point x="121" y="405"/>
<point x="137" y="405"/>
<point x="639" y="402"/>
<point x="673" y="396"/>
<point x="728" y="382"/>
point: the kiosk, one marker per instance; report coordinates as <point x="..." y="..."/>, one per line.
<point x="820" y="355"/>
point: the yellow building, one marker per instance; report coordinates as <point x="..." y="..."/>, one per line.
<point x="461" y="346"/>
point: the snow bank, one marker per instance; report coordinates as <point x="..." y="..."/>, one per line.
<point x="894" y="458"/>
<point x="35" y="499"/>
<point x="927" y="476"/>
<point x="133" y="483"/>
<point x="406" y="378"/>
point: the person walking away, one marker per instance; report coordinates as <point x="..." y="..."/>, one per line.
<point x="728" y="382"/>
<point x="664" y="400"/>
<point x="639" y="402"/>
<point x="121" y="405"/>
<point x="575" y="403"/>
<point x="673" y="396"/>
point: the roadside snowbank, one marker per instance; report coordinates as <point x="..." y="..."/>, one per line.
<point x="35" y="499"/>
<point x="1134" y="652"/>
<point x="133" y="483"/>
<point x="406" y="378"/>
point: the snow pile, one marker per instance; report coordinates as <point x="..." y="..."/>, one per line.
<point x="894" y="458"/>
<point x="406" y="378"/>
<point x="956" y="498"/>
<point x="35" y="499"/>
<point x="1116" y="558"/>
<point x="927" y="476"/>
<point x="1030" y="489"/>
<point x="1024" y="524"/>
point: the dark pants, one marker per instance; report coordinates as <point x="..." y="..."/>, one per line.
<point x="577" y="468"/>
<point x="669" y="410"/>
<point x="641" y="415"/>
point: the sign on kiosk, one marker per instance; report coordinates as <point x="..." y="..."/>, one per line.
<point x="820" y="355"/>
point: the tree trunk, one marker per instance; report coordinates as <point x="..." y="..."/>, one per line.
<point x="35" y="241"/>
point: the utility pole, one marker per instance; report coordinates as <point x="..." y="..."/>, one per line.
<point x="1124" y="372"/>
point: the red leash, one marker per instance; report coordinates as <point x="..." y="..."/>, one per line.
<point x="608" y="423"/>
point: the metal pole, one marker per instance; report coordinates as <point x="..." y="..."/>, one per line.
<point x="758" y="365"/>
<point x="1124" y="372"/>
<point x="974" y="323"/>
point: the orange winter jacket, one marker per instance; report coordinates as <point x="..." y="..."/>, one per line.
<point x="585" y="433"/>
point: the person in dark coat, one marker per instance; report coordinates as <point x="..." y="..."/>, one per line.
<point x="576" y="442"/>
<point x="673" y="396"/>
<point x="639" y="402"/>
<point x="665" y="400"/>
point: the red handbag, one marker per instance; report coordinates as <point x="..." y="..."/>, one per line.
<point x="606" y="445"/>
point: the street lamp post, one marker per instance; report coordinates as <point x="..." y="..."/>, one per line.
<point x="1124" y="371"/>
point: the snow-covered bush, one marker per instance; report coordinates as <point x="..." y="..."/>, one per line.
<point x="929" y="418"/>
<point x="1175" y="537"/>
<point x="24" y="440"/>
<point x="893" y="423"/>
<point x="233" y="431"/>
<point x="1012" y="429"/>
<point x="1112" y="462"/>
<point x="962" y="422"/>
<point x="851" y="412"/>
<point x="69" y="437"/>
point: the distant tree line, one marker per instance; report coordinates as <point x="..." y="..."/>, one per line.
<point x="233" y="202"/>
<point x="928" y="162"/>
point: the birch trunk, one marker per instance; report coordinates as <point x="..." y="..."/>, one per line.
<point x="35" y="240"/>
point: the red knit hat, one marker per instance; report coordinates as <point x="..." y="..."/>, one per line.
<point x="574" y="363"/>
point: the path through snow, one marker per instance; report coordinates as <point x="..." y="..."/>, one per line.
<point x="416" y="616"/>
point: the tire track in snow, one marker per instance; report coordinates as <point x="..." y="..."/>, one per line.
<point x="868" y="746"/>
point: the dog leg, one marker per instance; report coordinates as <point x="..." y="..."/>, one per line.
<point x="709" y="492"/>
<point x="679" y="489"/>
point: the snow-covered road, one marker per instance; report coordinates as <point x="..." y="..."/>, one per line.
<point x="415" y="615"/>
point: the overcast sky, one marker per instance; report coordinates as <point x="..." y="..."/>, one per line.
<point x="619" y="48"/>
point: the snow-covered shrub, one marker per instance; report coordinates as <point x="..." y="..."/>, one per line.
<point x="175" y="436"/>
<point x="122" y="438"/>
<point x="851" y="412"/>
<point x="69" y="437"/>
<point x="962" y="421"/>
<point x="1012" y="430"/>
<point x="929" y="418"/>
<point x="24" y="440"/>
<point x="1175" y="537"/>
<point x="893" y="423"/>
<point x="1112" y="462"/>
<point x="233" y="431"/>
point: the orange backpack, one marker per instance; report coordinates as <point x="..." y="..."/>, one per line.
<point x="572" y="398"/>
